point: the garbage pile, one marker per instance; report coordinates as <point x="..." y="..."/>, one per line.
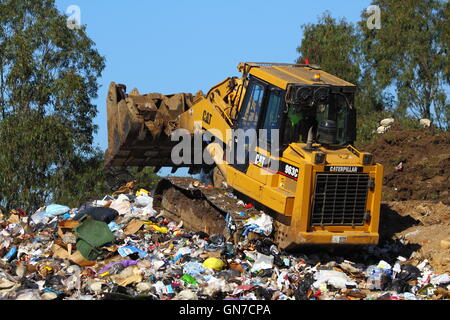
<point x="121" y="248"/>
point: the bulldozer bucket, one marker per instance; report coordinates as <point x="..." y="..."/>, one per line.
<point x="140" y="126"/>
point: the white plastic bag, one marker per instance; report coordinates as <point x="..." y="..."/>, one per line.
<point x="263" y="224"/>
<point x="262" y="262"/>
<point x="335" y="278"/>
<point x="40" y="216"/>
<point x="143" y="201"/>
<point x="148" y="210"/>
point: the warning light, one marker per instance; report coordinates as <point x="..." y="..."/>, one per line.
<point x="317" y="77"/>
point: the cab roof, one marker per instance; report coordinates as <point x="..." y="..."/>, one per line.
<point x="283" y="74"/>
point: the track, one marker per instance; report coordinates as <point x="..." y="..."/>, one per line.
<point x="200" y="208"/>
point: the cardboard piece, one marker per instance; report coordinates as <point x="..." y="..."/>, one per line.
<point x="133" y="226"/>
<point x="60" y="252"/>
<point x="127" y="276"/>
<point x="77" y="258"/>
<point x="68" y="224"/>
<point x="14" y="219"/>
<point x="110" y="249"/>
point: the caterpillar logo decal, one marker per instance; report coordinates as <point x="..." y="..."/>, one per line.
<point x="261" y="160"/>
<point x="343" y="169"/>
<point x="284" y="168"/>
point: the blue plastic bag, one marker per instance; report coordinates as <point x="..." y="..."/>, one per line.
<point x="113" y="226"/>
<point x="127" y="250"/>
<point x="193" y="268"/>
<point x="56" y="210"/>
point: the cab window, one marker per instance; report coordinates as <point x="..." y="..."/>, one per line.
<point x="251" y="111"/>
<point x="273" y="115"/>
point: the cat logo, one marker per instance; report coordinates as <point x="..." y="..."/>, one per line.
<point x="260" y="160"/>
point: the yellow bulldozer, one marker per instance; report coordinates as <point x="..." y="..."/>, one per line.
<point x="280" y="138"/>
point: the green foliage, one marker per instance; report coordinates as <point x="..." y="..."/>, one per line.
<point x="48" y="78"/>
<point x="31" y="158"/>
<point x="143" y="177"/>
<point x="410" y="53"/>
<point x="83" y="181"/>
<point x="403" y="69"/>
<point x="334" y="46"/>
<point x="366" y="128"/>
<point x="47" y="67"/>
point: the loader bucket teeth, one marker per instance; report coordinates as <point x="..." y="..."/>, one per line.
<point x="140" y="126"/>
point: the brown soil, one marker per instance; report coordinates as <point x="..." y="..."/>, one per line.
<point x="419" y="226"/>
<point x="416" y="209"/>
<point x="425" y="154"/>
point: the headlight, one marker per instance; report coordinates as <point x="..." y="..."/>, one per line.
<point x="319" y="158"/>
<point x="367" y="159"/>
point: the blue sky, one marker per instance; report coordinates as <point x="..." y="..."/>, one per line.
<point x="185" y="46"/>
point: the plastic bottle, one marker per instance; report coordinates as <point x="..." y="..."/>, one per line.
<point x="11" y="254"/>
<point x="374" y="278"/>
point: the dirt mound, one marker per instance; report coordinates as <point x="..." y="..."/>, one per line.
<point x="422" y="227"/>
<point x="425" y="156"/>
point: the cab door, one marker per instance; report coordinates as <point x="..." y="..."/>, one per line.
<point x="246" y="125"/>
<point x="269" y="134"/>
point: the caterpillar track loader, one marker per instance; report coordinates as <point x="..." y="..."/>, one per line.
<point x="298" y="164"/>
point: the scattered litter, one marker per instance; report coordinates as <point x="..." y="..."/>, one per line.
<point x="119" y="246"/>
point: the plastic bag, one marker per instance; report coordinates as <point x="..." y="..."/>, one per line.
<point x="193" y="268"/>
<point x="184" y="251"/>
<point x="11" y="254"/>
<point x="335" y="278"/>
<point x="121" y="198"/>
<point x="189" y="279"/>
<point x="440" y="279"/>
<point x="216" y="242"/>
<point x="56" y="210"/>
<point x="214" y="263"/>
<point x="125" y="251"/>
<point x="262" y="262"/>
<point x="261" y="225"/>
<point x="40" y="216"/>
<point x="28" y="295"/>
<point x="98" y="213"/>
<point x="113" y="226"/>
<point x="186" y="295"/>
<point x="122" y="207"/>
<point x="143" y="201"/>
<point x="142" y="192"/>
<point x="378" y="278"/>
<point x="124" y="264"/>
<point x="149" y="211"/>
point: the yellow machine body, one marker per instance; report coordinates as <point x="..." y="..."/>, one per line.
<point x="317" y="194"/>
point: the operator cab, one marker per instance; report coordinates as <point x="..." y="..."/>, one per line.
<point x="323" y="113"/>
